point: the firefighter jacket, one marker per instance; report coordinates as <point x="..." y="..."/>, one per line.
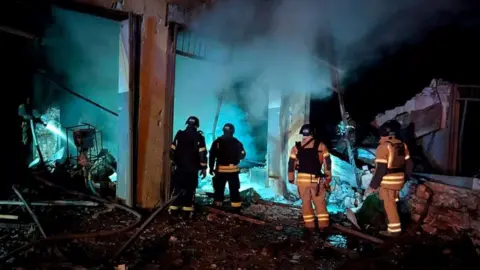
<point x="308" y="157"/>
<point x="226" y="152"/>
<point x="393" y="164"/>
<point x="188" y="151"/>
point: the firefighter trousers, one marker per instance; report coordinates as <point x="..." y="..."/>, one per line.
<point x="219" y="181"/>
<point x="308" y="195"/>
<point x="390" y="198"/>
<point x="187" y="182"/>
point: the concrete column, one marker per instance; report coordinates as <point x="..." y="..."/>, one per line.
<point x="155" y="117"/>
<point x="286" y="115"/>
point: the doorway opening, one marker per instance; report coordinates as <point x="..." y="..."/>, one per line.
<point x="86" y="95"/>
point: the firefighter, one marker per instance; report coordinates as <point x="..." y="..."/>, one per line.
<point x="393" y="166"/>
<point x="307" y="158"/>
<point x="226" y="153"/>
<point x="188" y="155"/>
<point x="30" y="118"/>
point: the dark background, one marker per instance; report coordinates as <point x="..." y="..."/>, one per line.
<point x="450" y="52"/>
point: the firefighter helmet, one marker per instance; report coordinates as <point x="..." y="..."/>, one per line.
<point x="306" y="130"/>
<point x="229" y="128"/>
<point x="193" y="121"/>
<point x="390" y="128"/>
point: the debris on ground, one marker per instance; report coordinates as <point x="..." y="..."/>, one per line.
<point x="265" y="235"/>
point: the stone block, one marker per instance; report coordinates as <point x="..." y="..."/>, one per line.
<point x="421" y="189"/>
<point x="445" y="200"/>
<point x="429" y="229"/>
<point x="416" y="217"/>
<point x="475" y="226"/>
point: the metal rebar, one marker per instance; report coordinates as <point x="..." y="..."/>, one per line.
<point x="71" y="236"/>
<point x="144" y="226"/>
<point x="30" y="211"/>
<point x="64" y="88"/>
<point x="460" y="143"/>
<point x="52" y="203"/>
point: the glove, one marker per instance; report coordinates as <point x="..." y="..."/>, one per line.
<point x="203" y="173"/>
<point x="211" y="172"/>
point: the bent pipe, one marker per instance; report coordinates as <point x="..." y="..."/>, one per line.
<point x="72" y="236"/>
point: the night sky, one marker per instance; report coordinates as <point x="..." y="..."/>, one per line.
<point x="450" y="51"/>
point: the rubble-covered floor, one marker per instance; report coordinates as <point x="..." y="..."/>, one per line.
<point x="214" y="241"/>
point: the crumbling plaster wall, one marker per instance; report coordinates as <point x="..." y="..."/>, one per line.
<point x="434" y="145"/>
<point x="155" y="116"/>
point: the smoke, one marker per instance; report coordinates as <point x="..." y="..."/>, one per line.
<point x="284" y="44"/>
<point x="275" y="48"/>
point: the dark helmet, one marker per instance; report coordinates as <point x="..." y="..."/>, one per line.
<point x="390" y="128"/>
<point x="306" y="130"/>
<point x="193" y="121"/>
<point x="228" y="129"/>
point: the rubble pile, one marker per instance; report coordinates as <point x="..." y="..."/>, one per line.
<point x="453" y="211"/>
<point x="343" y="196"/>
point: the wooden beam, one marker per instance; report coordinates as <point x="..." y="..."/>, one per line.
<point x="16" y="32"/>
<point x="88" y="7"/>
<point x="232" y="215"/>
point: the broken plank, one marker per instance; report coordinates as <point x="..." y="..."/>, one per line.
<point x="277" y="204"/>
<point x="12" y="217"/>
<point x="237" y="216"/>
<point x="358" y="234"/>
<point x="52" y="203"/>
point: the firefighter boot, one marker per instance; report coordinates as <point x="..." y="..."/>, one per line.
<point x="389" y="234"/>
<point x="188" y="215"/>
<point x="236" y="210"/>
<point x="217" y="204"/>
<point x="307" y="233"/>
<point x="173" y="210"/>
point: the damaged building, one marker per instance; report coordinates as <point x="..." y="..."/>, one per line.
<point x="109" y="83"/>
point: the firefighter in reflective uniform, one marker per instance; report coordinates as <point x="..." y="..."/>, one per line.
<point x="393" y="166"/>
<point x="226" y="153"/>
<point x="188" y="155"/>
<point x="308" y="157"/>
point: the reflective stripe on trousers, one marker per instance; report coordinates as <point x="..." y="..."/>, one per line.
<point x="393" y="181"/>
<point x="307" y="192"/>
<point x="228" y="168"/>
<point x="389" y="198"/>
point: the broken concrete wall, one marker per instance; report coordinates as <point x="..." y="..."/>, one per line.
<point x="453" y="210"/>
<point x="433" y="144"/>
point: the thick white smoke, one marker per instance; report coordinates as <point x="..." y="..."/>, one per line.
<point x="283" y="41"/>
<point x="281" y="47"/>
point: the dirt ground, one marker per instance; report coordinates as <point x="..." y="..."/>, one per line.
<point x="218" y="242"/>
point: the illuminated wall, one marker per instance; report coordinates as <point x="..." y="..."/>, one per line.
<point x="82" y="53"/>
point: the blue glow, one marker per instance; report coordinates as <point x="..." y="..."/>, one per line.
<point x="196" y="85"/>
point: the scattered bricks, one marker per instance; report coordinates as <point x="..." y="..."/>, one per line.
<point x="419" y="208"/>
<point x="444" y="200"/>
<point x="429" y="229"/>
<point x="421" y="189"/>
<point x="475" y="226"/>
<point x="441" y="217"/>
<point x="430" y="218"/>
<point x="416" y="218"/>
